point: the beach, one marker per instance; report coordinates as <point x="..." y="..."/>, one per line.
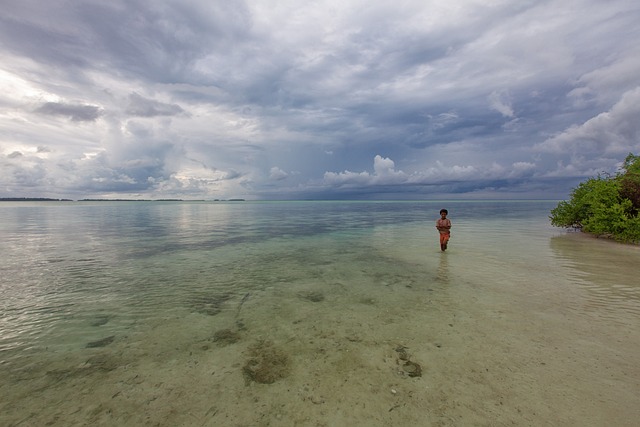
<point x="288" y="319"/>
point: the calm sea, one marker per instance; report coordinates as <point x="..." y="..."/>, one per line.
<point x="81" y="277"/>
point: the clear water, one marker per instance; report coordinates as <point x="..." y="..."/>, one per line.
<point x="75" y="273"/>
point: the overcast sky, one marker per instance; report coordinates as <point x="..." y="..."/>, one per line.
<point x="292" y="99"/>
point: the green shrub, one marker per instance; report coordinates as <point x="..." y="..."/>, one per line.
<point x="630" y="181"/>
<point x="606" y="205"/>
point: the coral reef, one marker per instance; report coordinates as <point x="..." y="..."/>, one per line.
<point x="266" y="363"/>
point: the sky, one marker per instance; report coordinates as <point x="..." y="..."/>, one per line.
<point x="327" y="99"/>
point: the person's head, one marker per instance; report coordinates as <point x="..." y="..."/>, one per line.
<point x="444" y="213"/>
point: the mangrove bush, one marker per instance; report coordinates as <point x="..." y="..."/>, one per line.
<point x="607" y="205"/>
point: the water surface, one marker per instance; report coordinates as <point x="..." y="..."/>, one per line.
<point x="111" y="314"/>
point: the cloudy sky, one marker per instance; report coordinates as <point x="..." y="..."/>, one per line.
<point x="292" y="99"/>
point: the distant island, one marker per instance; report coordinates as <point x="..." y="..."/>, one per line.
<point x="32" y="199"/>
<point x="46" y="199"/>
<point x="136" y="200"/>
<point x="157" y="200"/>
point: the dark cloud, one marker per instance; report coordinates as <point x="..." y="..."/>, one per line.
<point x="75" y="112"/>
<point x="143" y="107"/>
<point x="287" y="99"/>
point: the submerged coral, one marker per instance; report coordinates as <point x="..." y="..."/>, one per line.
<point x="409" y="367"/>
<point x="266" y="363"/>
<point x="313" y="296"/>
<point x="226" y="336"/>
<point x="101" y="343"/>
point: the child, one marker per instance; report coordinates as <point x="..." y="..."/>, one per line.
<point x="444" y="227"/>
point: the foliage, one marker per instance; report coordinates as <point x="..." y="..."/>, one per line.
<point x="630" y="181"/>
<point x="606" y="205"/>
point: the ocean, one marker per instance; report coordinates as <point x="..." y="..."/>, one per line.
<point x="313" y="313"/>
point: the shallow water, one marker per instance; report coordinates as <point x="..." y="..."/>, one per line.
<point x="111" y="313"/>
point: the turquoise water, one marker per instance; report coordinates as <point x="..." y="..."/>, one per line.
<point x="146" y="284"/>
<point x="65" y="263"/>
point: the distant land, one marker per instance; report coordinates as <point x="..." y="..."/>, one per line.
<point x="46" y="199"/>
<point x="32" y="199"/>
<point x="136" y="200"/>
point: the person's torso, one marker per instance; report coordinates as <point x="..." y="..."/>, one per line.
<point x="443" y="223"/>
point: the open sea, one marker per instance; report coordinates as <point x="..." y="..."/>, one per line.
<point x="313" y="313"/>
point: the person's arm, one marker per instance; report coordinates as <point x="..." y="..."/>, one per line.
<point x="443" y="225"/>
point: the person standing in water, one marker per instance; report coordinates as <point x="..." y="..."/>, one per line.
<point x="443" y="224"/>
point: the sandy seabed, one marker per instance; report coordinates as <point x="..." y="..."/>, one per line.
<point x="362" y="347"/>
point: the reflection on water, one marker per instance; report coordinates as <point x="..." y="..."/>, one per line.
<point x="609" y="271"/>
<point x="443" y="269"/>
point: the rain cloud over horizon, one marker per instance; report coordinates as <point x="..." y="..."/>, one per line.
<point x="315" y="100"/>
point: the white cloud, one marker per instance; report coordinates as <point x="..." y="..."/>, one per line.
<point x="277" y="174"/>
<point x="500" y="101"/>
<point x="614" y="132"/>
<point x="385" y="167"/>
<point x="385" y="174"/>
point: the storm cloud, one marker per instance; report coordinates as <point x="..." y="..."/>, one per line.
<point x="328" y="99"/>
<point x="77" y="113"/>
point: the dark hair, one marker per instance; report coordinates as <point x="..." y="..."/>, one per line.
<point x="445" y="211"/>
